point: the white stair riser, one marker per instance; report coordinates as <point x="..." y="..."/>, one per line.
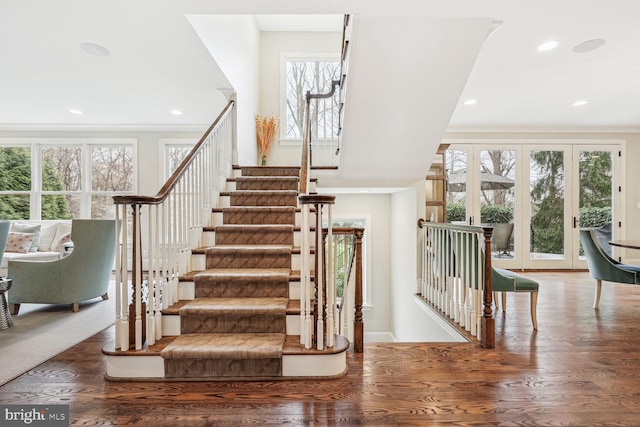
<point x="315" y="365"/>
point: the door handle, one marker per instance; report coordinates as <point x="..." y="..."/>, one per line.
<point x="575" y="222"/>
<point x="470" y="220"/>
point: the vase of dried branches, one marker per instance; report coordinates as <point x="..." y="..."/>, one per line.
<point x="266" y="133"/>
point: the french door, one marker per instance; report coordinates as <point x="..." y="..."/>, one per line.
<point x="536" y="197"/>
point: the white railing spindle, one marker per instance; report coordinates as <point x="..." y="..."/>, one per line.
<point x="162" y="231"/>
<point x="452" y="276"/>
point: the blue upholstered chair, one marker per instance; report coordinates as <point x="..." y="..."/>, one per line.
<point x="603" y="267"/>
<point x="82" y="275"/>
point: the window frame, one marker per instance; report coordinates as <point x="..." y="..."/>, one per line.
<point x="292" y="57"/>
<point x="86" y="192"/>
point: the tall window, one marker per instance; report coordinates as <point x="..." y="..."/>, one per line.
<point x="15" y="182"/>
<point x="62" y="179"/>
<point x="174" y="152"/>
<point x="314" y="75"/>
<point x="111" y="173"/>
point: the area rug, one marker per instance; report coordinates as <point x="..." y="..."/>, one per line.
<point x="42" y="331"/>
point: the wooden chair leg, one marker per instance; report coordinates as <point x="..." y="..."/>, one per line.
<point x="76" y="307"/>
<point x="596" y="300"/>
<point x="534" y="308"/>
<point x="495" y="300"/>
<point x="504" y="302"/>
<point x="14" y="309"/>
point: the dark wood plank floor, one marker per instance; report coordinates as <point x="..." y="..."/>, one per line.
<point x="581" y="368"/>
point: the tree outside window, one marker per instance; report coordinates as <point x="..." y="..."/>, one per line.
<point x="15" y="182"/>
<point x="73" y="181"/>
<point x="111" y="173"/>
<point x="314" y="76"/>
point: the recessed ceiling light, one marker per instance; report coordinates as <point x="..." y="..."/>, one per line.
<point x="76" y="112"/>
<point x="470" y="102"/>
<point x="546" y="46"/>
<point x="579" y="103"/>
<point x="176" y="112"/>
<point x="588" y="46"/>
<point x="95" y="49"/>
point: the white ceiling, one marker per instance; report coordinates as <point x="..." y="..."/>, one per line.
<point x="158" y="63"/>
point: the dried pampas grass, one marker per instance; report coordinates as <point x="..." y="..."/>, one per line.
<point x="266" y="133"/>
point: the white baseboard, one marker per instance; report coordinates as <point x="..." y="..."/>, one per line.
<point x="379" y="337"/>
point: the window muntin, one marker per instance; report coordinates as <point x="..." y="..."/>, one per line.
<point x="314" y="75"/>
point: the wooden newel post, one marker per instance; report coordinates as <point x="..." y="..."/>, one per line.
<point x="488" y="327"/>
<point x="137" y="307"/>
<point x="358" y="324"/>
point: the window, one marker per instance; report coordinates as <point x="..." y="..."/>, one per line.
<point x="112" y="170"/>
<point x="314" y="75"/>
<point x="175" y="151"/>
<point x="62" y="179"/>
<point x="15" y="182"/>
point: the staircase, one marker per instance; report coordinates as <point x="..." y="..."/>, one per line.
<point x="237" y="317"/>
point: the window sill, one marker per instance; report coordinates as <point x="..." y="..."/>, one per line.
<point x="290" y="141"/>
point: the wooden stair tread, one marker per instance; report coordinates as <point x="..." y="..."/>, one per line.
<point x="293" y="308"/>
<point x="294" y="275"/>
<point x="234" y="305"/>
<point x="291" y="346"/>
<point x="230" y="346"/>
<point x="254" y="227"/>
<point x="251" y="272"/>
<point x="243" y="192"/>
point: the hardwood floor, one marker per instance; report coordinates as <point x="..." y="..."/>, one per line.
<point x="582" y="367"/>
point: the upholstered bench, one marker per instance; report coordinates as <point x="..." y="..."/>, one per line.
<point x="509" y="281"/>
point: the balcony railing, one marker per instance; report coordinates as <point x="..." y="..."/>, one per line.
<point x="456" y="276"/>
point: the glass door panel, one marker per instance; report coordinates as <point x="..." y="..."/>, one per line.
<point x="547" y="205"/>
<point x="595" y="184"/>
<point x="456" y="168"/>
<point x="497" y="190"/>
<point x="565" y="186"/>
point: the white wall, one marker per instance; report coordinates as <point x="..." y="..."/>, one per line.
<point x="409" y="322"/>
<point x="273" y="45"/>
<point x="234" y="43"/>
<point x="391" y="263"/>
<point x="375" y="207"/>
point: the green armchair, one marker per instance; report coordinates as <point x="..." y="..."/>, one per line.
<point x="502" y="280"/>
<point x="508" y="281"/>
<point x="82" y="275"/>
<point x="603" y="267"/>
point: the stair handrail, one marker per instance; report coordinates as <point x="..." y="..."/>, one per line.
<point x="320" y="294"/>
<point x="163" y="229"/>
